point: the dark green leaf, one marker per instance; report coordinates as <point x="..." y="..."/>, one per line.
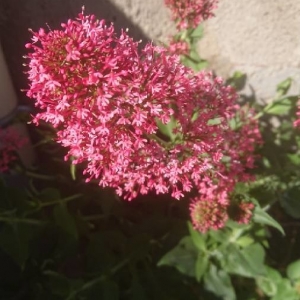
<point x="248" y="262"/>
<point x="57" y="283"/>
<point x="279" y="107"/>
<point x="183" y="257"/>
<point x="64" y="220"/>
<point x="284" y="86"/>
<point x="268" y="283"/>
<point x="261" y="217"/>
<point x="167" y="129"/>
<point x="219" y="283"/>
<point x="293" y="270"/>
<point x="291" y="202"/>
<point x="197" y="32"/>
<point x="50" y="194"/>
<point x="15" y="241"/>
<point x="197" y="237"/>
<point x="202" y="264"/>
<point x="285" y="291"/>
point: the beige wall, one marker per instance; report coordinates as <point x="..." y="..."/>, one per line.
<point x="259" y="37"/>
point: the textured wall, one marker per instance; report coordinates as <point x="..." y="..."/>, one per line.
<point x="261" y="38"/>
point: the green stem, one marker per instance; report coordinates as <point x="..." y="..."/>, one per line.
<point x="91" y="283"/>
<point x="60" y="201"/>
<point x="19" y="220"/>
<point x="93" y="217"/>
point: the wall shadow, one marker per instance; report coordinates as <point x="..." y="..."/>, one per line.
<point x="16" y="16"/>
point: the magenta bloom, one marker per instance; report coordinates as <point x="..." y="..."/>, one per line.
<point x="190" y="13"/>
<point x="208" y="214"/>
<point x="10" y="143"/>
<point x="140" y="122"/>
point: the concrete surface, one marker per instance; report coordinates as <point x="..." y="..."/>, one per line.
<point x="261" y="38"/>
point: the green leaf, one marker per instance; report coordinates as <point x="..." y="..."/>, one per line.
<point x="219" y="283"/>
<point x="201" y="266"/>
<point x="237" y="80"/>
<point x="285" y="291"/>
<point x="110" y="290"/>
<point x="279" y="107"/>
<point x="248" y="262"/>
<point x="137" y="290"/>
<point x="197" y="32"/>
<point x="261" y="217"/>
<point x="283" y="87"/>
<point x="183" y="257"/>
<point x="293" y="270"/>
<point x="15" y="239"/>
<point x="268" y="283"/>
<point x="244" y="241"/>
<point x="197" y="237"/>
<point x="294" y="159"/>
<point x="57" y="283"/>
<point x="64" y="220"/>
<point x="167" y="129"/>
<point x="50" y="194"/>
<point x="291" y="202"/>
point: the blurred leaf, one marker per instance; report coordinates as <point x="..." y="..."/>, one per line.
<point x="183" y="257"/>
<point x="219" y="283"/>
<point x="57" y="283"/>
<point x="268" y="283"/>
<point x="248" y="262"/>
<point x="201" y="266"/>
<point x="285" y="291"/>
<point x="261" y="217"/>
<point x="50" y="194"/>
<point x="167" y="129"/>
<point x="197" y="237"/>
<point x="280" y="107"/>
<point x="291" y="202"/>
<point x="283" y="87"/>
<point x="293" y="270"/>
<point x="137" y="290"/>
<point x="64" y="220"/>
<point x="15" y="241"/>
<point x="237" y="80"/>
<point x="294" y="159"/>
<point x="110" y="290"/>
<point x="197" y="32"/>
<point x="244" y="241"/>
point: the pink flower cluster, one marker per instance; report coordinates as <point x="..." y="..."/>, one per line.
<point x="10" y="143"/>
<point x="190" y="13"/>
<point x="140" y="122"/>
<point x="179" y="47"/>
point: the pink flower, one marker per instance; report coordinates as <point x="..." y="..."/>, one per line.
<point x="110" y="103"/>
<point x="10" y="143"/>
<point x="242" y="212"/>
<point x="190" y="13"/>
<point x="208" y="214"/>
<point x="178" y="47"/>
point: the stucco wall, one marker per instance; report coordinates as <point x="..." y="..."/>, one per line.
<point x="261" y="38"/>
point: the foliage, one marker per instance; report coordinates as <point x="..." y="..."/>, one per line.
<point x="61" y="238"/>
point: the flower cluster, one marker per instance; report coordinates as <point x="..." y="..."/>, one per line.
<point x="190" y="13"/>
<point x="141" y="122"/>
<point x="179" y="47"/>
<point x="10" y="143"/>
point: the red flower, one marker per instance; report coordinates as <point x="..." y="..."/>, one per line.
<point x="10" y="143"/>
<point x="190" y="13"/>
<point x="108" y="103"/>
